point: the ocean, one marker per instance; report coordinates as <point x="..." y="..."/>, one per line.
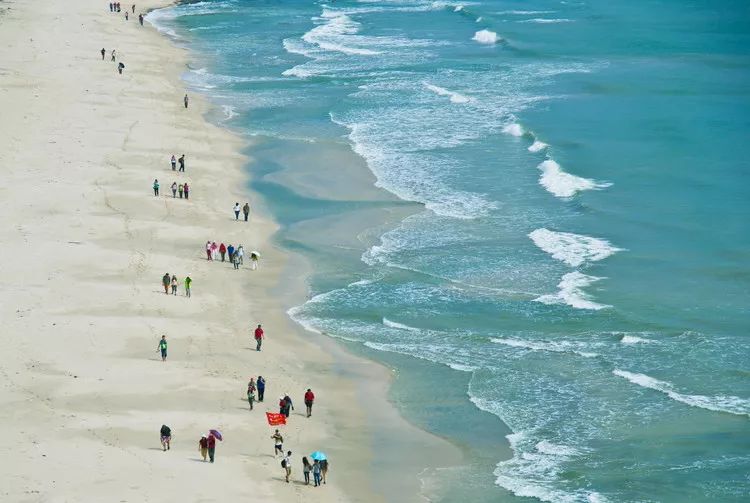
<point x="565" y="293"/>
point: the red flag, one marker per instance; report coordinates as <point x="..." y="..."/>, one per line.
<point x="275" y="419"/>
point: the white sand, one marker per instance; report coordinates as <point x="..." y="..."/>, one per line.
<point x="84" y="246"/>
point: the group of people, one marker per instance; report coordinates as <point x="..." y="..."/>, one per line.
<point x="318" y="468"/>
<point x="183" y="189"/>
<point x="245" y="210"/>
<point x="170" y="282"/>
<point x="174" y="161"/>
<point x="235" y="256"/>
<point x="206" y="444"/>
<point x="252" y="387"/>
<point x="120" y="65"/>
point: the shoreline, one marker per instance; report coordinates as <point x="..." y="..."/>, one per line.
<point x="90" y="294"/>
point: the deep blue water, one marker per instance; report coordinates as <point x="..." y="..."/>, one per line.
<point x="581" y="255"/>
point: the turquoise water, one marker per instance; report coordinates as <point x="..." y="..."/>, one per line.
<point x="578" y="265"/>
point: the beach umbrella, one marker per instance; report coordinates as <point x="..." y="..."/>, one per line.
<point x="254" y="252"/>
<point x="318" y="456"/>
<point x="216" y="433"/>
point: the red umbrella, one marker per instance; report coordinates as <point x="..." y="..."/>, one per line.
<point x="216" y="433"/>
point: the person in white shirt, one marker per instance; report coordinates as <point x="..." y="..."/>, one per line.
<point x="287" y="464"/>
<point x="237" y="210"/>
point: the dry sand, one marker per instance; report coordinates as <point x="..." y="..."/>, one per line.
<point x="84" y="246"/>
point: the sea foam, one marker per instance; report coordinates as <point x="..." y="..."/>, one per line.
<point x="486" y="37"/>
<point x="537" y="146"/>
<point x="573" y="249"/>
<point x="563" y="184"/>
<point x="399" y="326"/>
<point x="553" y="347"/>
<point x="514" y="129"/>
<point x="571" y="292"/>
<point x="441" y="91"/>
<point x="729" y="404"/>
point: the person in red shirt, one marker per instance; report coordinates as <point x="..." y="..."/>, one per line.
<point x="258" y="337"/>
<point x="309" y="398"/>
<point x="223" y="251"/>
<point x="203" y="446"/>
<point x="211" y="446"/>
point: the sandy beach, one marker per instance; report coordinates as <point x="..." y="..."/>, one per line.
<point x="86" y="244"/>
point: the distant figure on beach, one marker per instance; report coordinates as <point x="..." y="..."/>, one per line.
<point x="316" y="472"/>
<point x="230" y="252"/>
<point x="174" y="189"/>
<point x="208" y="250"/>
<point x="163" y="348"/>
<point x="306" y="469"/>
<point x="181" y="190"/>
<point x="286" y="464"/>
<point x="261" y="388"/>
<point x="120" y="67"/>
<point x="236" y="211"/>
<point x="166" y="436"/>
<point x="309" y="399"/>
<point x="278" y="443"/>
<point x="140" y="19"/>
<point x="133" y="8"/>
<point x="254" y="260"/>
<point x="174" y="284"/>
<point x="165" y="281"/>
<point x="156" y="187"/>
<point x="323" y="469"/>
<point x="251" y="392"/>
<point x="214" y="250"/>
<point x="203" y="447"/>
<point x="236" y="261"/>
<point x="288" y="405"/>
<point x="258" y="337"/>
<point x="181" y="160"/>
<point x="113" y="54"/>
<point x="187" y="190"/>
<point x="246" y="210"/>
<point x="185" y="100"/>
<point x="240" y="254"/>
<point x="222" y="251"/>
<point x="188" y="281"/>
<point x="111" y="7"/>
<point x="174" y="162"/>
<point x="126" y="16"/>
<point x="104" y="52"/>
<point x="211" y="446"/>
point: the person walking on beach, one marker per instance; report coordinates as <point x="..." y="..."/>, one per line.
<point x="261" y="388"/>
<point x="208" y="250"/>
<point x="140" y="19"/>
<point x="174" y="284"/>
<point x="316" y="472"/>
<point x="156" y="187"/>
<point x="203" y="447"/>
<point x="174" y="189"/>
<point x="111" y="7"/>
<point x="222" y="251"/>
<point x="259" y="334"/>
<point x="165" y="281"/>
<point x="211" y="446"/>
<point x="174" y="162"/>
<point x="185" y="100"/>
<point x="163" y="348"/>
<point x="254" y="261"/>
<point x="126" y="16"/>
<point x="306" y="469"/>
<point x="166" y="436"/>
<point x="230" y="252"/>
<point x="251" y="392"/>
<point x="236" y="211"/>
<point x="309" y="399"/>
<point x="240" y="254"/>
<point x="236" y="261"/>
<point x="278" y="443"/>
<point x="187" y="190"/>
<point x="120" y="67"/>
<point x="214" y="250"/>
<point x="133" y="8"/>
<point x="113" y="54"/>
<point x="181" y="190"/>
<point x="286" y="464"/>
<point x="104" y="52"/>
<point x="246" y="211"/>
<point x="182" y="162"/>
<point x="323" y="469"/>
<point x="288" y="405"/>
<point x="188" y="281"/>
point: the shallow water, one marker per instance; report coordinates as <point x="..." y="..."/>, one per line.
<point x="578" y="265"/>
